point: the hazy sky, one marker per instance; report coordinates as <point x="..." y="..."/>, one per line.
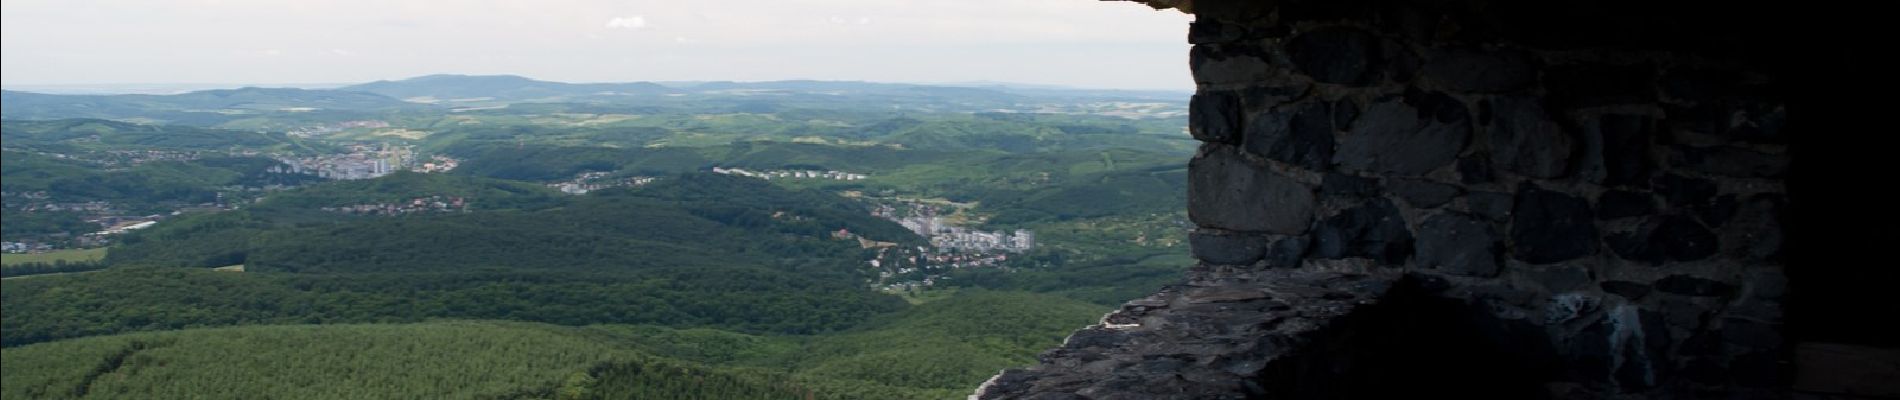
<point x="1068" y="42"/>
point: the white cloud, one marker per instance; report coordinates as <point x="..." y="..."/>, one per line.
<point x="272" y="52"/>
<point x="341" y="52"/>
<point x="633" y="23"/>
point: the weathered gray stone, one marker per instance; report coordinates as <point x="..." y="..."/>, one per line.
<point x="1345" y="111"/>
<point x="1560" y="278"/>
<point x="1261" y="97"/>
<point x="1348" y="185"/>
<point x="1226" y="248"/>
<point x="1475" y="70"/>
<point x="1717" y="212"/>
<point x="1374" y="230"/>
<point x="1338" y="55"/>
<point x="1685" y="192"/>
<point x="1214" y="116"/>
<point x="1692" y="286"/>
<point x="1227" y="192"/>
<point x="1224" y="294"/>
<point x="1665" y="238"/>
<point x="1525" y="141"/>
<point x="1475" y="170"/>
<point x="1214" y="346"/>
<point x="1231" y="63"/>
<point x="1459" y="245"/>
<point x="1493" y="205"/>
<point x="1617" y="149"/>
<point x="1565" y="307"/>
<point x="1211" y="30"/>
<point x="1627" y="289"/>
<point x="1645" y="351"/>
<point x="1422" y="193"/>
<point x="1751" y="120"/>
<point x="1287" y="252"/>
<point x="1549" y="226"/>
<point x="1756" y="230"/>
<point x="1299" y="134"/>
<point x="1622" y="204"/>
<point x="1412" y="135"/>
<point x="1729" y="161"/>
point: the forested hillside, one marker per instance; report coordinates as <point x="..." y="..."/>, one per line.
<point x="504" y="237"/>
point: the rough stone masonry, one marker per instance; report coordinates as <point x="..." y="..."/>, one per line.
<point x="1575" y="205"/>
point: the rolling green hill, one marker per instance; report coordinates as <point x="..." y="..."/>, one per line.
<point x="457" y="359"/>
<point x="140" y="188"/>
<point x="70" y="135"/>
<point x="692" y="250"/>
<point x="942" y="354"/>
<point x="694" y="286"/>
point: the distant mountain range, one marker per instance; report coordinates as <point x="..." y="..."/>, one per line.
<point x="502" y="87"/>
<point x="439" y="92"/>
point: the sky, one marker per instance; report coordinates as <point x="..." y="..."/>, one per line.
<point x="1081" y="43"/>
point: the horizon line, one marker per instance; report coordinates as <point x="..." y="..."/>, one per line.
<point x="198" y="86"/>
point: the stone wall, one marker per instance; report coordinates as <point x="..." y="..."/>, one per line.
<point x="1604" y="213"/>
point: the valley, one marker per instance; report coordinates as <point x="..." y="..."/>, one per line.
<point x="752" y="240"/>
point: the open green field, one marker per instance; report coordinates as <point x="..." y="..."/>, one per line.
<point x="74" y="255"/>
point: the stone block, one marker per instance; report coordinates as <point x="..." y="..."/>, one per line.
<point x="1412" y="135"/>
<point x="1665" y="238"/>
<point x="1422" y="193"/>
<point x="1226" y="248"/>
<point x="1373" y="230"/>
<point x="1214" y="116"/>
<point x="1299" y="134"/>
<point x="1227" y="192"/>
<point x="1524" y="140"/>
<point x="1478" y="70"/>
<point x="1460" y="245"/>
<point x="1549" y="226"/>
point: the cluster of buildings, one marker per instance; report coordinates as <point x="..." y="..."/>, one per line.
<point x="923" y="219"/>
<point x="437" y="163"/>
<point x="950" y="237"/>
<point x="136" y="157"/>
<point x="792" y="174"/>
<point x="591" y="181"/>
<point x="1123" y="109"/>
<point x="25" y="247"/>
<point x="310" y="131"/>
<point x="362" y="162"/>
<point x="951" y="247"/>
<point x="435" y="204"/>
<point x="127" y="226"/>
<point x="84" y="207"/>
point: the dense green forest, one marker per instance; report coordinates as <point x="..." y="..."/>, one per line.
<point x="694" y="285"/>
<point x="964" y="339"/>
<point x="406" y="361"/>
<point x="84" y="134"/>
<point x="142" y="187"/>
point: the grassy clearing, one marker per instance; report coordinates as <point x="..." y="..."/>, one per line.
<point x="73" y="255"/>
<point x="401" y="133"/>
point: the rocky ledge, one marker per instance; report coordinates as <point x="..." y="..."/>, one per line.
<point x="1213" y="337"/>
